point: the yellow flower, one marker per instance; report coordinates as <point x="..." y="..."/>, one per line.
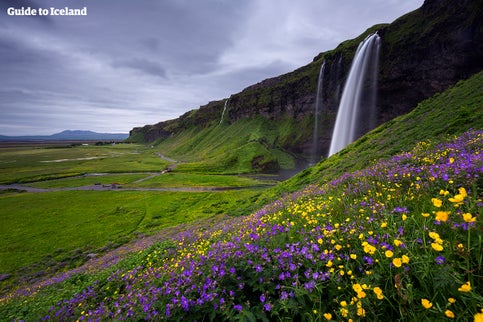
<point x="405" y="259"/>
<point x="444" y="192"/>
<point x="361" y="312"/>
<point x="442" y="215"/>
<point x="397" y="242"/>
<point x="449" y="314"/>
<point x="437" y="247"/>
<point x="343" y="303"/>
<point x="353" y="256"/>
<point x="465" y="287"/>
<point x="377" y="290"/>
<point x="437" y="202"/>
<point x="425" y="214"/>
<point x="479" y="317"/>
<point x="320" y="241"/>
<point x="328" y="316"/>
<point x="426" y="303"/>
<point x="384" y="225"/>
<point x="468" y="217"/>
<point x="389" y="253"/>
<point x="451" y="300"/>
<point x="315" y="311"/>
<point x="434" y="235"/>
<point x="397" y="262"/>
<point x="404" y="217"/>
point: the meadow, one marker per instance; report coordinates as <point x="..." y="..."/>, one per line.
<point x="79" y="214"/>
<point x="398" y="240"/>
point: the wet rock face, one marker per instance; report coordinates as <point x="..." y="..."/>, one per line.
<point x="422" y="53"/>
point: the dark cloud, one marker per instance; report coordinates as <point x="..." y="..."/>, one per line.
<point x="130" y="63"/>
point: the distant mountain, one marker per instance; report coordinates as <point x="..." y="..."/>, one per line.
<point x="69" y="135"/>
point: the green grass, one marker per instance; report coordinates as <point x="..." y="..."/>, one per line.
<point x="27" y="164"/>
<point x="86" y="180"/>
<point x="182" y="179"/>
<point x="42" y="232"/>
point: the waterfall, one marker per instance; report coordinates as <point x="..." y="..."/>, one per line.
<point x="318" y="105"/>
<point x="224" y="109"/>
<point x="354" y="118"/>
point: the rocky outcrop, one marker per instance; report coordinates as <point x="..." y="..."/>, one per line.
<point x="422" y="53"/>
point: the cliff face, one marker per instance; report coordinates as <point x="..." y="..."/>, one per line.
<point x="422" y="53"/>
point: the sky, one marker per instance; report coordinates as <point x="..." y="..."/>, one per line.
<point x="128" y="63"/>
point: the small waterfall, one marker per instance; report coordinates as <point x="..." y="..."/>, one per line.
<point x="224" y="109"/>
<point x="318" y="106"/>
<point x="354" y="118"/>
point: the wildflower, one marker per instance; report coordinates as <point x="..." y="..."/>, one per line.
<point x="479" y="317"/>
<point x="444" y="192"/>
<point x="398" y="243"/>
<point x="434" y="235"/>
<point x="377" y="290"/>
<point x="458" y="198"/>
<point x="389" y="253"/>
<point x="238" y="307"/>
<point x="426" y="303"/>
<point x="451" y="300"/>
<point x="437" y="247"/>
<point x="361" y="311"/>
<point x="442" y="215"/>
<point x="327" y="316"/>
<point x="397" y="262"/>
<point x="425" y="214"/>
<point x="404" y="217"/>
<point x="465" y="288"/>
<point x="440" y="260"/>
<point x="267" y="307"/>
<point x="437" y="202"/>
<point x="468" y="217"/>
<point x="405" y="259"/>
<point x="353" y="256"/>
<point x="449" y="314"/>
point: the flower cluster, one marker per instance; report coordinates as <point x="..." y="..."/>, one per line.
<point x="362" y="246"/>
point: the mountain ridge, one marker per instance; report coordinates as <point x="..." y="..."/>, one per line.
<point x="68" y="135"/>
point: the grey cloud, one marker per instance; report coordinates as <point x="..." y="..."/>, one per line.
<point x="143" y="65"/>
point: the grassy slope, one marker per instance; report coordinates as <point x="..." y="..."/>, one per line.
<point x="231" y="148"/>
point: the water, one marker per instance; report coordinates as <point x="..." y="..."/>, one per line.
<point x="318" y="106"/>
<point x="356" y="112"/>
<point x="224" y="109"/>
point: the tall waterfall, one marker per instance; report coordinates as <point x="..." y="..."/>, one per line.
<point x="224" y="109"/>
<point x="318" y="106"/>
<point x="356" y="113"/>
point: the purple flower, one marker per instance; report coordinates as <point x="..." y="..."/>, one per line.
<point x="237" y="307"/>
<point x="262" y="298"/>
<point x="267" y="307"/>
<point x="440" y="260"/>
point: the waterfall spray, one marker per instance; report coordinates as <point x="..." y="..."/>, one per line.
<point x="318" y="106"/>
<point x="348" y="123"/>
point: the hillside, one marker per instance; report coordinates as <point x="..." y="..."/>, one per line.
<point x="423" y="53"/>
<point x="390" y="231"/>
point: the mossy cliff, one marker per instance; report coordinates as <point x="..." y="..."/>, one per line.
<point x="422" y="53"/>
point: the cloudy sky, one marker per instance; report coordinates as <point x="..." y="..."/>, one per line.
<point x="134" y="62"/>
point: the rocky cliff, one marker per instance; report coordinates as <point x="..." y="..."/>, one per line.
<point x="422" y="53"/>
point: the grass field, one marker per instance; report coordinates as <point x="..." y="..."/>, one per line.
<point x="42" y="233"/>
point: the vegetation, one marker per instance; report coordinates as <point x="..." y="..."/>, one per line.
<point x="400" y="239"/>
<point x="371" y="233"/>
